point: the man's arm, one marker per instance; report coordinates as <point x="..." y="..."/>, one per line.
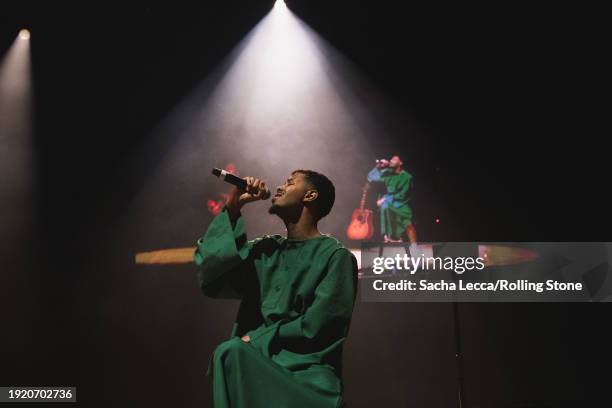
<point x="222" y="254"/>
<point x="374" y="175"/>
<point x="377" y="173"/>
<point x="221" y="257"/>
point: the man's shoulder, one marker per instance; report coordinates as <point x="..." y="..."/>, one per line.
<point x="337" y="254"/>
<point x="333" y="241"/>
<point x="334" y="247"/>
<point x="324" y="244"/>
<point x="267" y="239"/>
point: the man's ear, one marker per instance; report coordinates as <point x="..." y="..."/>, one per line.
<point x="311" y="195"/>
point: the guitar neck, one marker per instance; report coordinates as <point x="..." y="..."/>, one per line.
<point x="363" y="196"/>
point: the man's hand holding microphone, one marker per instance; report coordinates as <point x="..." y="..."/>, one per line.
<point x="255" y="190"/>
<point x="245" y="190"/>
<point x="382" y="163"/>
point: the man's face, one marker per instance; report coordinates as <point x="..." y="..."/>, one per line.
<point x="395" y="162"/>
<point x="291" y="194"/>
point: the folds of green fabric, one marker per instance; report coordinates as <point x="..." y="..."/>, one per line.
<point x="395" y="213"/>
<point x="296" y="305"/>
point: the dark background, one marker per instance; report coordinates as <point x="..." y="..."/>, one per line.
<point x="508" y="98"/>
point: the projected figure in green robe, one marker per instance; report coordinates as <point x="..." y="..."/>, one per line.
<point x="395" y="213"/>
<point x="297" y="297"/>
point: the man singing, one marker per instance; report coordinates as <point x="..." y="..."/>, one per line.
<point x="395" y="213"/>
<point x="297" y="299"/>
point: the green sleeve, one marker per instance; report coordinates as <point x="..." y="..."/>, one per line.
<point x="377" y="174"/>
<point x="327" y="319"/>
<point x="374" y="175"/>
<point x="222" y="258"/>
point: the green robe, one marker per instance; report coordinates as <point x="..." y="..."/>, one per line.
<point x="297" y="302"/>
<point x="395" y="213"/>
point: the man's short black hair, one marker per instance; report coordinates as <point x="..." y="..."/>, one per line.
<point x="325" y="188"/>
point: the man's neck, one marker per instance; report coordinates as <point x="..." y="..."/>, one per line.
<point x="303" y="229"/>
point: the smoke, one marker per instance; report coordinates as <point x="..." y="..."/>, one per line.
<point x="283" y="99"/>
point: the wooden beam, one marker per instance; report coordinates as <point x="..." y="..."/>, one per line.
<point x="166" y="256"/>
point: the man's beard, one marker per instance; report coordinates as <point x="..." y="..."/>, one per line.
<point x="273" y="209"/>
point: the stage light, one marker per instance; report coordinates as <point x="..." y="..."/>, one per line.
<point x="283" y="99"/>
<point x="16" y="158"/>
<point x="24" y="34"/>
<point x="437" y="220"/>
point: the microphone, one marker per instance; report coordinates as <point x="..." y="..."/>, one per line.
<point x="236" y="181"/>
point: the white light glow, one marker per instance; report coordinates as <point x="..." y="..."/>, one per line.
<point x="15" y="139"/>
<point x="280" y="5"/>
<point x="284" y="99"/>
<point x="24" y="34"/>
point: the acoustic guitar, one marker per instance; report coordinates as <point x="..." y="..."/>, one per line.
<point x="361" y="226"/>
